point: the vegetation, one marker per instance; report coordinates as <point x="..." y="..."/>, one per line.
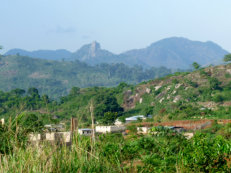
<point x="180" y="98"/>
<point x="56" y="78"/>
<point x="201" y="94"/>
<point x="196" y="66"/>
<point x="164" y="151"/>
<point x="227" y="58"/>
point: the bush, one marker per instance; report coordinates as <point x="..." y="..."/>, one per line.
<point x="12" y="136"/>
<point x="218" y="98"/>
<point x="205" y="153"/>
<point x="214" y="83"/>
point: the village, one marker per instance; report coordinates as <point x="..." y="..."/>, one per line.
<point x="57" y="134"/>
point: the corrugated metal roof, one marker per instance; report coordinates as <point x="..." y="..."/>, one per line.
<point x="134" y="118"/>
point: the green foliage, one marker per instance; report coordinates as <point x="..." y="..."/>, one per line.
<point x="106" y="103"/>
<point x="196" y="66"/>
<point x="132" y="128"/>
<point x="204" y="73"/>
<point x="109" y="118"/>
<point x="227" y="58"/>
<point x="227" y="75"/>
<point x="214" y="83"/>
<point x="74" y="91"/>
<point x="175" y="81"/>
<point x="56" y="78"/>
<point x="218" y="98"/>
<point x="206" y="154"/>
<point x="30" y="122"/>
<point x="186" y="111"/>
<point x="164" y="151"/>
<point x="12" y="136"/>
<point x="191" y="83"/>
<point x="148" y="110"/>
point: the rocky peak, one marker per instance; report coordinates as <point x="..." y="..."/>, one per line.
<point x="93" y="48"/>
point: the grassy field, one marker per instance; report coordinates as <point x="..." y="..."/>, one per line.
<point x="166" y="151"/>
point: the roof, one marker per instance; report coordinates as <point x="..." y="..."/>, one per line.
<point x="173" y="127"/>
<point x="134" y="118"/>
<point x="85" y="129"/>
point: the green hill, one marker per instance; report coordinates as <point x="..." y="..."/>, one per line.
<point x="205" y="93"/>
<point x="56" y="78"/>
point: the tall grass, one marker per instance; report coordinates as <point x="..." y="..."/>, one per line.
<point x="164" y="152"/>
<point x="46" y="157"/>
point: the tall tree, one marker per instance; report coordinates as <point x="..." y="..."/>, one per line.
<point x="195" y="65"/>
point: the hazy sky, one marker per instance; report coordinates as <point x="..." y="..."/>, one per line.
<point x="118" y="25"/>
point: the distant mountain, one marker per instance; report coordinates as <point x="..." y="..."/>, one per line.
<point x="42" y="54"/>
<point x="175" y="52"/>
<point x="178" y="52"/>
<point x="93" y="54"/>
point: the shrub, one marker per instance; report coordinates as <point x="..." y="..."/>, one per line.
<point x="214" y="83"/>
<point x="218" y="98"/>
<point x="205" y="153"/>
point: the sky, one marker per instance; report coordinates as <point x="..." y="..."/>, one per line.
<point x="118" y="25"/>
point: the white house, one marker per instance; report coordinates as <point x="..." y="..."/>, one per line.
<point x="85" y="132"/>
<point x="135" y="118"/>
<point x="109" y="129"/>
<point x="118" y="122"/>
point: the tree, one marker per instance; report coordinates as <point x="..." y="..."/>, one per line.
<point x="33" y="92"/>
<point x="148" y="110"/>
<point x="195" y="65"/>
<point x="30" y="122"/>
<point x="109" y="118"/>
<point x="106" y="103"/>
<point x="214" y="83"/>
<point x="18" y="92"/>
<point x="227" y="58"/>
<point x="74" y="91"/>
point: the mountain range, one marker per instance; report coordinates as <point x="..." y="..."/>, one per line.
<point x="174" y="52"/>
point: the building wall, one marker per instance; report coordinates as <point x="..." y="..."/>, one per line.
<point x="53" y="136"/>
<point x="109" y="129"/>
<point x="85" y="132"/>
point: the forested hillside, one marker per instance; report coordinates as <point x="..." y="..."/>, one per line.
<point x="56" y="78"/>
<point x="204" y="93"/>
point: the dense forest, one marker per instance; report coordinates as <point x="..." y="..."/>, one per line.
<point x="56" y="78"/>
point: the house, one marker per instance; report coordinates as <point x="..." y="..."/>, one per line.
<point x="85" y="132"/>
<point x="118" y="122"/>
<point x="55" y="127"/>
<point x="135" y="118"/>
<point x="109" y="129"/>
